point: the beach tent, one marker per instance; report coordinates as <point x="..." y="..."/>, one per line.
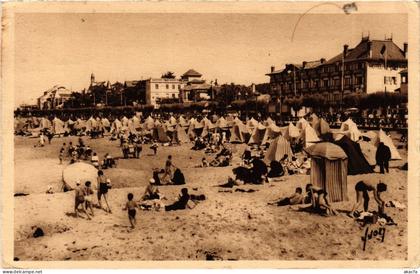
<point x="350" y="129"/>
<point x="80" y="124"/>
<point x="181" y="135"/>
<point x="149" y="123"/>
<point x="191" y="134"/>
<point x="105" y="123"/>
<point x="222" y="123"/>
<point x="124" y="121"/>
<point x="382" y="137"/>
<point x="183" y="122"/>
<point x="229" y="120"/>
<point x="79" y="171"/>
<point x="239" y="133"/>
<point x="116" y="125"/>
<point x="208" y="127"/>
<point x="277" y="149"/>
<point x="291" y="132"/>
<point x="329" y="170"/>
<point x="91" y="124"/>
<point x="269" y="122"/>
<point x="314" y="121"/>
<point x="20" y="125"/>
<point x="161" y="134"/>
<point x="58" y="126"/>
<point x="272" y="131"/>
<point x="136" y="123"/>
<point x="172" y="121"/>
<point x="45" y="123"/>
<point x="357" y="163"/>
<point x="323" y="127"/>
<point x="257" y="134"/>
<point x="309" y="136"/>
<point x="252" y="123"/>
<point x="302" y="124"/>
<point x="369" y="151"/>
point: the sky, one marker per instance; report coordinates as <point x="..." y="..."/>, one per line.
<point x="64" y="49"/>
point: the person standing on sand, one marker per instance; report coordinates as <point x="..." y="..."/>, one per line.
<point x="103" y="185"/>
<point x="79" y="199"/>
<point x="362" y="193"/>
<point x="383" y="155"/>
<point x="168" y="168"/>
<point x="130" y="206"/>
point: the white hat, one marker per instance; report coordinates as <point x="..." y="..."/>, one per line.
<point x="108" y="180"/>
<point x="152" y="181"/>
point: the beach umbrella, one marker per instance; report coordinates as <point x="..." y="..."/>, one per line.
<point x="79" y="172"/>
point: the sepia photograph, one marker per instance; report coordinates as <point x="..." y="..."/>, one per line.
<point x="210" y="135"/>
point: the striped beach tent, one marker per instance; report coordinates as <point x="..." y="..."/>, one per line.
<point x="329" y="170"/>
<point x="257" y="134"/>
<point x="277" y="149"/>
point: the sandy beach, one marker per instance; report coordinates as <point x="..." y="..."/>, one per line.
<point x="226" y="226"/>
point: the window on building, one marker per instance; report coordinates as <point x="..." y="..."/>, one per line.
<point x="394" y="80"/>
<point x="173" y="95"/>
<point x="156" y="86"/>
<point x="347" y="81"/>
<point x="179" y="86"/>
<point x="325" y="83"/>
<point x="359" y="80"/>
<point x="167" y="86"/>
<point x="403" y="79"/>
<point x="173" y="86"/>
<point x="337" y="82"/>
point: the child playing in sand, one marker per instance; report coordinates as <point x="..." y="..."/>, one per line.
<point x="131" y="207"/>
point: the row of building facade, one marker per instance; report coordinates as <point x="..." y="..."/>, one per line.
<point x="371" y="66"/>
<point x="190" y="87"/>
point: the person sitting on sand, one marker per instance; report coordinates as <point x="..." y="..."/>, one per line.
<point x="322" y="204"/>
<point x="103" y="185"/>
<point x="305" y="167"/>
<point x="181" y="203"/>
<point x="246" y="156"/>
<point x="79" y="199"/>
<point x="151" y="192"/>
<point x="130" y="206"/>
<point x="362" y="195"/>
<point x="319" y="200"/>
<point x="276" y="169"/>
<point x="295" y="199"/>
<point x="204" y="163"/>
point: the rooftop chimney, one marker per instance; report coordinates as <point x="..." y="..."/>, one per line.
<point x="405" y="49"/>
<point x="322" y="60"/>
<point x="369" y="49"/>
<point x="273" y="68"/>
<point x="345" y="50"/>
